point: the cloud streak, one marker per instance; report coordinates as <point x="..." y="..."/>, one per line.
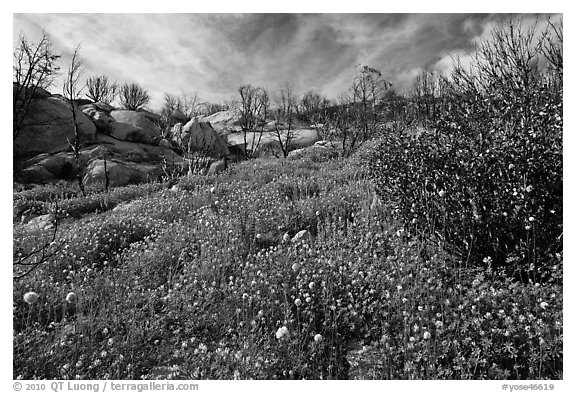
<point x="214" y="54"/>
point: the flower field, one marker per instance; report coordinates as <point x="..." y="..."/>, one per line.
<point x="204" y="281"/>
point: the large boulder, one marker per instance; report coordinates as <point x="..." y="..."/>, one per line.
<point x="49" y="127"/>
<point x="223" y="120"/>
<point x="126" y="162"/>
<point x="201" y="137"/>
<point x="119" y="172"/>
<point x="99" y="113"/>
<point x="217" y="167"/>
<point x="45" y="221"/>
<point x="60" y="165"/>
<point x="133" y="126"/>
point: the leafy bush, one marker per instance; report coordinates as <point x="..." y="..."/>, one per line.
<point x="488" y="177"/>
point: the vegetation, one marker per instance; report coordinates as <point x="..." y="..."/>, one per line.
<point x="71" y="93"/>
<point x="100" y="89"/>
<point x="432" y="246"/>
<point x="34" y="69"/>
<point x="132" y="96"/>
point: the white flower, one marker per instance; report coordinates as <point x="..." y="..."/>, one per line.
<point x="31" y="297"/>
<point x="286" y="238"/>
<point x="213" y="190"/>
<point x="318" y="338"/>
<point x="298" y="302"/>
<point x="311" y="285"/>
<point x="426" y="335"/>
<point x="295" y="266"/>
<point x="441" y="193"/>
<point x="439" y="325"/>
<point x="282" y="332"/>
<point x="531" y="219"/>
<point x="543" y="305"/>
<point x="71" y="298"/>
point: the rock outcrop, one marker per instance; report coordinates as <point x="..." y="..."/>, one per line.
<point x="217" y="167"/>
<point x="133" y="126"/>
<point x="201" y="137"/>
<point x="99" y="113"/>
<point x="223" y="120"/>
<point x="49" y="126"/>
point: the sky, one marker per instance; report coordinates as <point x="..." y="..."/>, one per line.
<point x="214" y="54"/>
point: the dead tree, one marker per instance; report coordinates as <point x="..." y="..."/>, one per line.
<point x="255" y="105"/>
<point x="27" y="263"/>
<point x="34" y="68"/>
<point x="285" y="112"/>
<point x="71" y="93"/>
<point x="100" y="89"/>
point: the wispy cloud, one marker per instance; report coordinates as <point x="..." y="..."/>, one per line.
<point x="214" y="54"/>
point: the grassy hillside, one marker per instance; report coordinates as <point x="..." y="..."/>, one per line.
<point x="204" y="281"/>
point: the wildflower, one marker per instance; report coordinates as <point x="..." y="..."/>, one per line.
<point x="298" y="302"/>
<point x="31" y="297"/>
<point x="531" y="219"/>
<point x="317" y="213"/>
<point x="282" y="332"/>
<point x="295" y="266"/>
<point x="441" y="193"/>
<point x="439" y="325"/>
<point x="426" y="335"/>
<point x="311" y="285"/>
<point x="318" y="338"/>
<point x="212" y="190"/>
<point x="286" y="238"/>
<point x="487" y="260"/>
<point x="71" y="298"/>
<point x="543" y="305"/>
<point x="420" y="308"/>
<point x="308" y="299"/>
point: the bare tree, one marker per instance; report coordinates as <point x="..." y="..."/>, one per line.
<point x="314" y="107"/>
<point x="368" y="90"/>
<point x="285" y="113"/>
<point x="71" y="93"/>
<point x="425" y="96"/>
<point x="185" y="106"/>
<point x="552" y="48"/>
<point x="100" y="89"/>
<point x="34" y="68"/>
<point x="254" y="107"/>
<point x="25" y="264"/>
<point x="133" y="97"/>
<point x="359" y="113"/>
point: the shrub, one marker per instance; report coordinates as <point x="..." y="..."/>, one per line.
<point x="488" y="177"/>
